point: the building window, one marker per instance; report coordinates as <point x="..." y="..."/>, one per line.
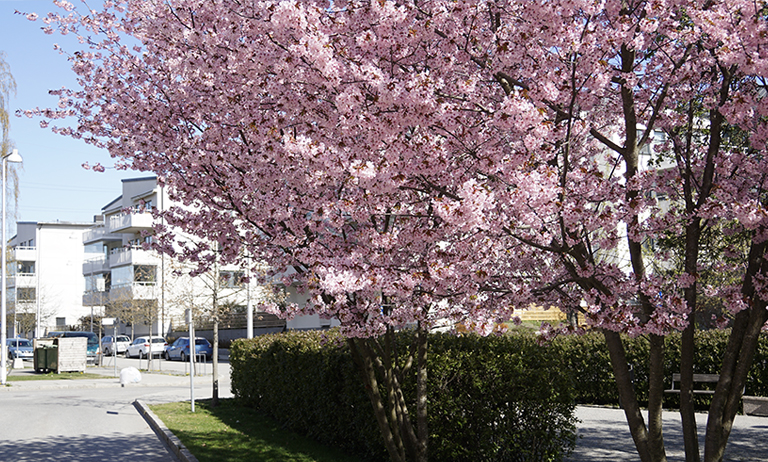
<point x="25" y="267"/>
<point x="127" y="275"/>
<point x="139" y="241"/>
<point x="231" y="278"/>
<point x="25" y="294"/>
<point x="122" y="275"/>
<point x="61" y="322"/>
<point x="95" y="283"/>
<point x="145" y="273"/>
<point x="143" y="206"/>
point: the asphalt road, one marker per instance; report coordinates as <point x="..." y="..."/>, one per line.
<point x="604" y="437"/>
<point x="94" y="420"/>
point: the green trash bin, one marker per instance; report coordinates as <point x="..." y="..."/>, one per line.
<point x="46" y="358"/>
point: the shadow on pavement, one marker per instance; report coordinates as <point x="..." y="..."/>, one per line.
<point x="604" y="436"/>
<point x="84" y="449"/>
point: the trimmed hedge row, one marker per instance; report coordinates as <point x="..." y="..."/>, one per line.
<point x="495" y="398"/>
<point x="587" y="357"/>
<point x="307" y="381"/>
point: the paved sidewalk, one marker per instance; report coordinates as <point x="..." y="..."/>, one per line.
<point x="170" y="374"/>
<point x="604" y="436"/>
<point x="93" y="420"/>
<point x="154" y="379"/>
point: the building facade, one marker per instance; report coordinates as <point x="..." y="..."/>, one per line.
<point x="44" y="288"/>
<point x="145" y="291"/>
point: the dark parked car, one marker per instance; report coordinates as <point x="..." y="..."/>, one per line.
<point x="19" y="348"/>
<point x="180" y="349"/>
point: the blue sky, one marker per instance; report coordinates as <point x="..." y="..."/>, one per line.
<point x="53" y="184"/>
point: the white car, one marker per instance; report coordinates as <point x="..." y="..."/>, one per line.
<point x="115" y="344"/>
<point x="141" y="347"/>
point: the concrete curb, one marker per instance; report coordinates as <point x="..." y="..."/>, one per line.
<point x="75" y="384"/>
<point x="166" y="436"/>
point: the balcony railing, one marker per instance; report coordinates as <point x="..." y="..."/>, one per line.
<point x="95" y="265"/>
<point x="133" y="291"/>
<point x="130" y="222"/>
<point x="24" y="253"/>
<point x="95" y="298"/>
<point x="134" y="255"/>
<point x="99" y="233"/>
<point x="22" y="280"/>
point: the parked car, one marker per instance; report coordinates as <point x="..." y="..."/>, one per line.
<point x="19" y="348"/>
<point x="115" y="344"/>
<point x="92" y="346"/>
<point x="180" y="349"/>
<point x="141" y="347"/>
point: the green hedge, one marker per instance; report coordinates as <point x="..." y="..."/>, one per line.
<point x="587" y="357"/>
<point x="495" y="398"/>
<point x="308" y="382"/>
<point x="498" y="398"/>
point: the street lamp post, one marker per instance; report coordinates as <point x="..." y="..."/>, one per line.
<point x="12" y="157"/>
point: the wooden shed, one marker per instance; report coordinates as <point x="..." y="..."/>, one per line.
<point x="70" y="354"/>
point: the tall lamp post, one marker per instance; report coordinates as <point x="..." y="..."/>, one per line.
<point x="12" y="157"/>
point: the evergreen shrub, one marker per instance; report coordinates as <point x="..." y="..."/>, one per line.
<point x="587" y="357"/>
<point x="490" y="398"/>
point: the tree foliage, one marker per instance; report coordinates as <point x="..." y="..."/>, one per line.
<point x="415" y="162"/>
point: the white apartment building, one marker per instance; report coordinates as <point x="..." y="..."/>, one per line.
<point x="113" y="252"/>
<point x="141" y="288"/>
<point x="45" y="277"/>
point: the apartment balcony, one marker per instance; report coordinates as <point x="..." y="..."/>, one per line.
<point x="130" y="222"/>
<point x="124" y="293"/>
<point x="134" y="255"/>
<point x="97" y="265"/>
<point x="22" y="280"/>
<point x="96" y="298"/>
<point x="99" y="234"/>
<point x="24" y="253"/>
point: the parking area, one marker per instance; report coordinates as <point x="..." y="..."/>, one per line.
<point x="158" y="364"/>
<point x="94" y="419"/>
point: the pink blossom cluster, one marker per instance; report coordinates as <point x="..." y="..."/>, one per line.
<point x="404" y="162"/>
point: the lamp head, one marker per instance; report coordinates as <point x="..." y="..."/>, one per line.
<point x="13" y="156"/>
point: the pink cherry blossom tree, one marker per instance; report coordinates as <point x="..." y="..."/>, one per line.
<point x="292" y="134"/>
<point x="419" y="162"/>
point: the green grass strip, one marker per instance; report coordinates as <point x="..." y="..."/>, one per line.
<point x="231" y="432"/>
<point x="53" y="376"/>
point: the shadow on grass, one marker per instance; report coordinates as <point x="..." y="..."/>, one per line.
<point x="231" y="432"/>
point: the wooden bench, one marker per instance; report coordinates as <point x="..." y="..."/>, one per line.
<point x="697" y="378"/>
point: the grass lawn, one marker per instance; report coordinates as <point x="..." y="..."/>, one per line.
<point x="53" y="376"/>
<point x="231" y="432"/>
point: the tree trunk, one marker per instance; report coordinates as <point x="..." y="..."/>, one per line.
<point x="362" y="355"/>
<point x="687" y="414"/>
<point x="737" y="359"/>
<point x="376" y="359"/>
<point x="725" y="403"/>
<point x="422" y="430"/>
<point x="628" y="399"/>
<point x="656" y="398"/>
<point x="688" y="346"/>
